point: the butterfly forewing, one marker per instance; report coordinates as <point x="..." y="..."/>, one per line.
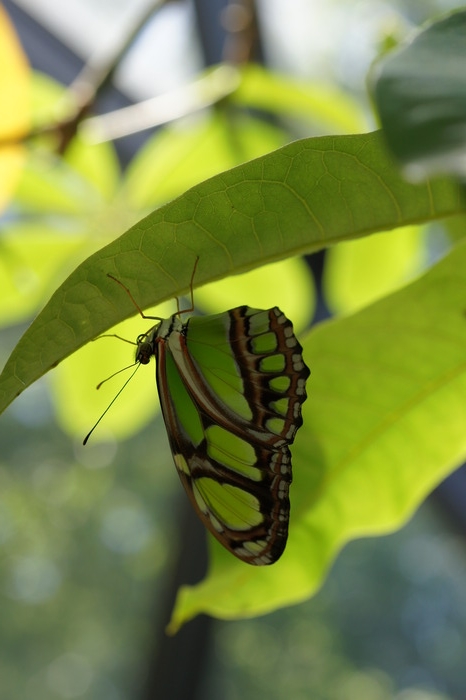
<point x="231" y="388"/>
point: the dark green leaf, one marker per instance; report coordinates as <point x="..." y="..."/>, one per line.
<point x="420" y="92"/>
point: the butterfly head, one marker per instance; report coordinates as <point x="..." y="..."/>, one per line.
<point x="145" y="346"/>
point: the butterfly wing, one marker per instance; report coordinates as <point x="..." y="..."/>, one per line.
<point x="231" y="388"/>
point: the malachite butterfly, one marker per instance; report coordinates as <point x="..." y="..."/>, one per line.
<point x="231" y="386"/>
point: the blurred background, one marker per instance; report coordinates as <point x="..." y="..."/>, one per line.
<point x="95" y="542"/>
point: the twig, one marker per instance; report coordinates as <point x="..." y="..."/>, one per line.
<point x="203" y="92"/>
<point x="84" y="89"/>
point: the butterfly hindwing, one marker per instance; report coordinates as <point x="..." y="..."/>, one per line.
<point x="231" y="387"/>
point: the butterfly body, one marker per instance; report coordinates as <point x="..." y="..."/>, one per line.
<point x="231" y="387"/>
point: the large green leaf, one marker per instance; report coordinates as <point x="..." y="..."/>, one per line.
<point x="420" y="92"/>
<point x="298" y="199"/>
<point x="384" y="422"/>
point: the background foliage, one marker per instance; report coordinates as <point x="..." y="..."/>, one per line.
<point x="384" y="422"/>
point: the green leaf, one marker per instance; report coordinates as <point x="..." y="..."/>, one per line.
<point x="456" y="228"/>
<point x="295" y="295"/>
<point x="50" y="100"/>
<point x="83" y="178"/>
<point x="75" y="186"/>
<point x="97" y="164"/>
<point x="182" y="155"/>
<point x="49" y="185"/>
<point x="32" y="260"/>
<point x="323" y="103"/>
<point x="359" y="272"/>
<point x="420" y="92"/>
<point x="298" y="199"/>
<point x="383" y="425"/>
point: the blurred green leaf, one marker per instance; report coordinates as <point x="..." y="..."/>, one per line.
<point x="420" y="93"/>
<point x="287" y="284"/>
<point x="97" y="164"/>
<point x="383" y="425"/>
<point x="64" y="209"/>
<point x="48" y="184"/>
<point x="456" y="227"/>
<point x="87" y="175"/>
<point x="184" y="154"/>
<point x="49" y="103"/>
<point x="331" y="108"/>
<point x="359" y="272"/>
<point x="32" y="261"/>
<point x="298" y="199"/>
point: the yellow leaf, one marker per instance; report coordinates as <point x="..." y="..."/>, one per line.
<point x="14" y="101"/>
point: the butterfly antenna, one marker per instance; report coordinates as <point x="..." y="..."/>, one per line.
<point x="123" y="369"/>
<point x="115" y="335"/>
<point x="114" y="398"/>
<point x="136" y="305"/>
<point x="115" y="279"/>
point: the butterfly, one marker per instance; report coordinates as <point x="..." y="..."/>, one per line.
<point x="231" y="387"/>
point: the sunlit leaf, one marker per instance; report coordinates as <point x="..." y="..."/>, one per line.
<point x="295" y="295"/>
<point x="33" y="259"/>
<point x="359" y="272"/>
<point x="321" y="103"/>
<point x="96" y="164"/>
<point x="76" y="184"/>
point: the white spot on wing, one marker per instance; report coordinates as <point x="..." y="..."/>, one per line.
<point x="300" y="387"/>
<point x="201" y="504"/>
<point x="282" y="490"/>
<point x="216" y="524"/>
<point x="181" y="464"/>
<point x="298" y="363"/>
